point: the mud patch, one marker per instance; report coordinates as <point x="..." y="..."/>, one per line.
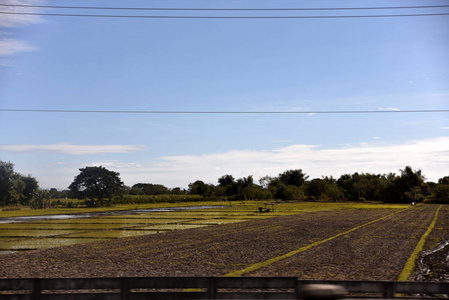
<point x="433" y="265"/>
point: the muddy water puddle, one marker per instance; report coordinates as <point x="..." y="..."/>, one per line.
<point x="433" y="265"/>
<point x="100" y="214"/>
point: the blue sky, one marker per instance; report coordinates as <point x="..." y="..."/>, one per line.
<point x="74" y="63"/>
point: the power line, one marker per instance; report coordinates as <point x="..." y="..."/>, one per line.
<point x="224" y="9"/>
<point x="224" y="112"/>
<point x="225" y="17"/>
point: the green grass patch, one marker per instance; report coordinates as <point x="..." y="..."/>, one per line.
<point x="32" y="233"/>
<point x="44" y="243"/>
<point x="173" y="226"/>
<point x="216" y="221"/>
<point x="110" y="234"/>
<point x="116" y="221"/>
<point x="58" y="226"/>
<point x="411" y="262"/>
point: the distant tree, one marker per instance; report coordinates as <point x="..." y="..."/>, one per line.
<point x="407" y="187"/>
<point x="330" y="179"/>
<point x="443" y="180"/>
<point x="363" y="186"/>
<point x="323" y="189"/>
<point x="14" y="187"/>
<point x="265" y="181"/>
<point x="226" y="180"/>
<point x="228" y="186"/>
<point x="199" y="188"/>
<point x="31" y="185"/>
<point x="410" y="178"/>
<point x="96" y="183"/>
<point x="150" y="189"/>
<point x="246" y="189"/>
<point x="316" y="188"/>
<point x="286" y="192"/>
<point x="178" y="191"/>
<point x="441" y="194"/>
<point x="41" y="199"/>
<point x="293" y="177"/>
<point x="245" y="181"/>
<point x="126" y="190"/>
<point x="6" y="182"/>
<point x="55" y="194"/>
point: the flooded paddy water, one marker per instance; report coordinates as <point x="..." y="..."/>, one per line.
<point x="48" y="231"/>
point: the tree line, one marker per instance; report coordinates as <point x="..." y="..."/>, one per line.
<point x="98" y="185"/>
<point x="406" y="187"/>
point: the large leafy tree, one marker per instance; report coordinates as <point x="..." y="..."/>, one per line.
<point x="6" y="181"/>
<point x="226" y="180"/>
<point x="228" y="184"/>
<point x="407" y="187"/>
<point x="293" y="177"/>
<point x="96" y="183"/>
<point x="14" y="187"/>
<point x="323" y="189"/>
<point x="149" y="189"/>
<point x="31" y="186"/>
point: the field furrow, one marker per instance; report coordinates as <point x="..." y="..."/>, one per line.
<point x="375" y="252"/>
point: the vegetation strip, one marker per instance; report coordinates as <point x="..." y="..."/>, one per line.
<point x="302" y="249"/>
<point x="411" y="262"/>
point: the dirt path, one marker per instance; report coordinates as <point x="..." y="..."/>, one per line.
<point x="219" y="250"/>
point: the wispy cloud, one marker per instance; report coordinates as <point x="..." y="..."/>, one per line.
<point x="14" y="20"/>
<point x="431" y="155"/>
<point x="12" y="46"/>
<point x="72" y="149"/>
<point x="388" y="108"/>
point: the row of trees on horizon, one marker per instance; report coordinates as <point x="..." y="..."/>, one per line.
<point x="98" y="184"/>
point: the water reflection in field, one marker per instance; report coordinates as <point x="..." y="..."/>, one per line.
<point x="41" y="232"/>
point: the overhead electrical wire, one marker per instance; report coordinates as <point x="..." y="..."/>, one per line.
<point x="223" y="112"/>
<point x="223" y="9"/>
<point x="225" y="17"/>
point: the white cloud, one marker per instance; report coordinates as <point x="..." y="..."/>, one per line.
<point x="13" y="20"/>
<point x="388" y="108"/>
<point x="431" y="156"/>
<point x="72" y="149"/>
<point x="12" y="46"/>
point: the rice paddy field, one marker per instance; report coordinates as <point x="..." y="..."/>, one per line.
<point x="354" y="241"/>
<point x="48" y="233"/>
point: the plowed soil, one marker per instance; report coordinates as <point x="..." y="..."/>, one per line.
<point x="377" y="251"/>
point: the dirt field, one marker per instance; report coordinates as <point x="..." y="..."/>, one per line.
<point x="359" y="244"/>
